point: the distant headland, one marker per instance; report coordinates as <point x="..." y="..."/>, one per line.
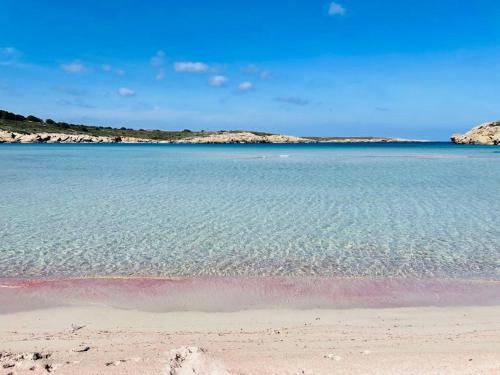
<point x="484" y="134"/>
<point x="15" y="128"/>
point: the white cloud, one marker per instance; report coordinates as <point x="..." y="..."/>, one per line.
<point x="125" y="92"/>
<point x="106" y="67"/>
<point x="336" y="9"/>
<point x="158" y="59"/>
<point x="245" y="86"/>
<point x="73" y="67"/>
<point x="190" y="67"/>
<point x="120" y="72"/>
<point x="217" y="81"/>
<point x="160" y="75"/>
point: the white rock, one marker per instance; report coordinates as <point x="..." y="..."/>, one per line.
<point x="484" y="134"/>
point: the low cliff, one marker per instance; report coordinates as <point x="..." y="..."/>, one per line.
<point x="244" y="137"/>
<point x="230" y="137"/>
<point x="13" y="137"/>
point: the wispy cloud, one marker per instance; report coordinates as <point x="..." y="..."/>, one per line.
<point x="126" y="92"/>
<point x="109" y="69"/>
<point x="71" y="91"/>
<point x="160" y="75"/>
<point x="73" y="67"/>
<point x="158" y="59"/>
<point x="190" y="67"/>
<point x="217" y="81"/>
<point x="254" y="69"/>
<point x="75" y="103"/>
<point x="245" y="86"/>
<point x="10" y="56"/>
<point x="336" y="9"/>
<point x="265" y="74"/>
<point x="9" y="51"/>
<point x="292" y="100"/>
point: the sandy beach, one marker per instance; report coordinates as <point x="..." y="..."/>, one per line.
<point x="250" y="188"/>
<point x="249" y="326"/>
<point x="104" y="340"/>
<point x="99" y="339"/>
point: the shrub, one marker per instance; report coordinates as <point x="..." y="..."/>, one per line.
<point x="33" y="119"/>
<point x="63" y="125"/>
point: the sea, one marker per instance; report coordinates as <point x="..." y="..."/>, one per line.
<point x="396" y="210"/>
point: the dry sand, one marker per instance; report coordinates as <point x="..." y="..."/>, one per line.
<point x="105" y="340"/>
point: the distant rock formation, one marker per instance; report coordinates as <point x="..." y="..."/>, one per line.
<point x="484" y="134"/>
<point x="228" y="137"/>
<point x="224" y="137"/>
<point x="368" y="140"/>
<point x="13" y="137"/>
<point x="244" y="137"/>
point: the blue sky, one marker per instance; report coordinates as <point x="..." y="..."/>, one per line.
<point x="350" y="67"/>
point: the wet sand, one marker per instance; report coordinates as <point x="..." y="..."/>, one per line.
<point x="215" y="294"/>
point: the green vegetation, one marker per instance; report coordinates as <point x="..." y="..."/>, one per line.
<point x="30" y="124"/>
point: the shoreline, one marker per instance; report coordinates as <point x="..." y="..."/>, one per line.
<point x="100" y="339"/>
<point x="223" y="137"/>
<point x="224" y="294"/>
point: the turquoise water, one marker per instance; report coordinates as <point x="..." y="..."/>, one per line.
<point x="416" y="210"/>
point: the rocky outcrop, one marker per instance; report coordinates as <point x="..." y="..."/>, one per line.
<point x="369" y="140"/>
<point x="244" y="137"/>
<point x="484" y="134"/>
<point x="12" y="137"/>
<point x="223" y="137"/>
<point x="215" y="138"/>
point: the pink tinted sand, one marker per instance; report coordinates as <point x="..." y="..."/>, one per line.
<point x="249" y="326"/>
<point x="230" y="294"/>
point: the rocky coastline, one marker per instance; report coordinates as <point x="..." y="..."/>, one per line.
<point x="211" y="138"/>
<point x="484" y="134"/>
<point x="13" y="137"/>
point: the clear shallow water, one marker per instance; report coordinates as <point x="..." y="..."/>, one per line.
<point x="417" y="210"/>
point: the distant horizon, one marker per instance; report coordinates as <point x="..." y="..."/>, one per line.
<point x="339" y="68"/>
<point x="227" y="129"/>
<point x="49" y="119"/>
